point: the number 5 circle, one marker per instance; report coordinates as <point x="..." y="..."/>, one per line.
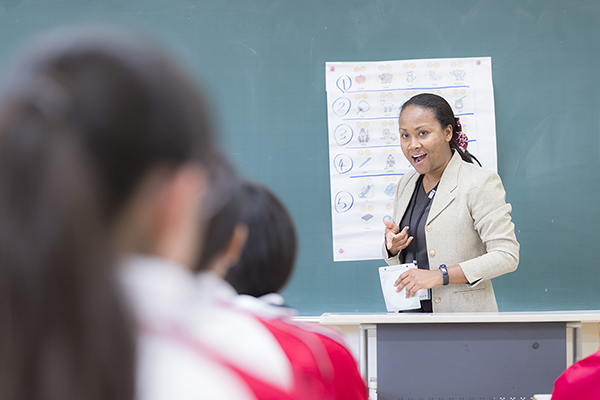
<point x="343" y="202"/>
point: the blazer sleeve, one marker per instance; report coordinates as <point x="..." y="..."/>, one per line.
<point x="492" y="221"/>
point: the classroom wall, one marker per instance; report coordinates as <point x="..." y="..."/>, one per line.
<point x="263" y="65"/>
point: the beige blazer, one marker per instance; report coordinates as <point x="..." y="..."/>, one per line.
<point x="469" y="224"/>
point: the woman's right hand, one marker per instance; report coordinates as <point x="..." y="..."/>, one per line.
<point x="396" y="240"/>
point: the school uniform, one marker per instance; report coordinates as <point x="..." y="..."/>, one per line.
<point x="337" y="368"/>
<point x="195" y="342"/>
<point x="192" y="345"/>
<point x="580" y="381"/>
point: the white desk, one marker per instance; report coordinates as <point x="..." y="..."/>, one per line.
<point x="366" y="321"/>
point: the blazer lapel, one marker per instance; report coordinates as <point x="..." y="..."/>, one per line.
<point x="448" y="183"/>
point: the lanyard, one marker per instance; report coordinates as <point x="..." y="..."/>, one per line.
<point x="413" y="200"/>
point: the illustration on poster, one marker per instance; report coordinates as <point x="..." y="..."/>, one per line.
<point x="390" y="163"/>
<point x="367" y="218"/>
<point x="363" y="137"/>
<point x="364" y="162"/>
<point x="387" y="107"/>
<point x="458" y="104"/>
<point x="390" y="189"/>
<point x="434" y="76"/>
<point x="366" y="191"/>
<point x="363" y="107"/>
<point x="459" y="74"/>
<point x="388" y="136"/>
<point x="386" y="78"/>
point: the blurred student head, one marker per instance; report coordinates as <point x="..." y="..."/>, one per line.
<point x="144" y="125"/>
<point x="64" y="333"/>
<point x="268" y="257"/>
<point x="226" y="233"/>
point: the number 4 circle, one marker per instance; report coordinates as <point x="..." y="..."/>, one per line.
<point x="343" y="163"/>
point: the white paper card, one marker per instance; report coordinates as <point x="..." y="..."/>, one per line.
<point x="424" y="294"/>
<point x="395" y="301"/>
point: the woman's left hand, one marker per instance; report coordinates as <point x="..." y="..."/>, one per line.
<point x="417" y="279"/>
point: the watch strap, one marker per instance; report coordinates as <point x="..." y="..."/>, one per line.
<point x="445" y="274"/>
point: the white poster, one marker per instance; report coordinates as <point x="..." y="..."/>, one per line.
<point x="366" y="161"/>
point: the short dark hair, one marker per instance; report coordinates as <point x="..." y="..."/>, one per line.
<point x="269" y="255"/>
<point x="224" y="195"/>
<point x="444" y="114"/>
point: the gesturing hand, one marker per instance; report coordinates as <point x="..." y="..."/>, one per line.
<point x="394" y="239"/>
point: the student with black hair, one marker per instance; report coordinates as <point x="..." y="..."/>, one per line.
<point x="268" y="258"/>
<point x="253" y="244"/>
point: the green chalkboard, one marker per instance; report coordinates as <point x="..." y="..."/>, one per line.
<point x="263" y="62"/>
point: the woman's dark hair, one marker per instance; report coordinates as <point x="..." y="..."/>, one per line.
<point x="270" y="251"/>
<point x="64" y="332"/>
<point x="445" y="116"/>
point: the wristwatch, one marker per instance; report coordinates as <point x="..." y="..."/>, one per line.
<point x="445" y="274"/>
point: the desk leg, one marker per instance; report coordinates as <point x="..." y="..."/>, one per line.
<point x="577" y="340"/>
<point x="363" y="350"/>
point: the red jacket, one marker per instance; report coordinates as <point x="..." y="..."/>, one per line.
<point x="581" y="381"/>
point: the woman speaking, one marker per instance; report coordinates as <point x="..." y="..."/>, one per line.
<point x="450" y="216"/>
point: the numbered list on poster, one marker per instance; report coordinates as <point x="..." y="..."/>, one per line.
<point x="366" y="160"/>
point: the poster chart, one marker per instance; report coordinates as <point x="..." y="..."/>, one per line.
<point x="366" y="161"/>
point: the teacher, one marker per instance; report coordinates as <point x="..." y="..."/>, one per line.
<point x="456" y="225"/>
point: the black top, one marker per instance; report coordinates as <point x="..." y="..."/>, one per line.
<point x="419" y="203"/>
